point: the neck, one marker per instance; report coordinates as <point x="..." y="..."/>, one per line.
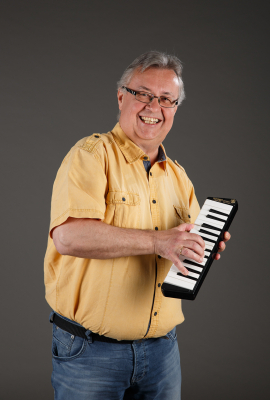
<point x="152" y="153"/>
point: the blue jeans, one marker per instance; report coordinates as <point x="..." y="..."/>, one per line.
<point x="93" y="370"/>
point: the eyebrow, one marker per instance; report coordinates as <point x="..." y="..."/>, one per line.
<point x="149" y="90"/>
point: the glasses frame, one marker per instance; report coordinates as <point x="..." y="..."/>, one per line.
<point x="134" y="92"/>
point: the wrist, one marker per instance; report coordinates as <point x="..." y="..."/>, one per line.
<point x="154" y="238"/>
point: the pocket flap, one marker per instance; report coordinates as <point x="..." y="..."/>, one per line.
<point x="131" y="199"/>
<point x="183" y="214"/>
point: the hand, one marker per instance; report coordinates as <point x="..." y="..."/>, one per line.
<point x="173" y="242"/>
<point x="222" y="245"/>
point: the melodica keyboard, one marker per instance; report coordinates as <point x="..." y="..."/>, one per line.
<point x="214" y="219"/>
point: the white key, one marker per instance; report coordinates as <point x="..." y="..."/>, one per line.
<point x="174" y="271"/>
<point x="181" y="279"/>
<point x="182" y="258"/>
<point x="193" y="275"/>
<point x="217" y="204"/>
<point x="206" y="212"/>
<point x="215" y="229"/>
<point x="207" y="207"/>
<point x="202" y="233"/>
<point x="199" y="269"/>
<point x="202" y="219"/>
<point x="180" y="282"/>
<point x="199" y="227"/>
<point x="208" y="247"/>
<point x="190" y="273"/>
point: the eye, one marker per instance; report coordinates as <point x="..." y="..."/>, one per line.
<point x="144" y="97"/>
<point x="165" y="100"/>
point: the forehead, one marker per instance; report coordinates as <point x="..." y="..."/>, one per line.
<point x="158" y="81"/>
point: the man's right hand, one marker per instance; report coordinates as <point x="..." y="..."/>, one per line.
<point x="170" y="243"/>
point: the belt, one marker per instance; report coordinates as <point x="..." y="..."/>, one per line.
<point x="80" y="331"/>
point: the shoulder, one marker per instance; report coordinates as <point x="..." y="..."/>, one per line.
<point x="93" y="146"/>
<point x="96" y="142"/>
<point x="178" y="174"/>
<point x="97" y="147"/>
<point x="176" y="167"/>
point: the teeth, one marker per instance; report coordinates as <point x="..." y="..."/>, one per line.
<point x="149" y="120"/>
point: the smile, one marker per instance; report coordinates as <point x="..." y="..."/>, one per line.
<point x="148" y="120"/>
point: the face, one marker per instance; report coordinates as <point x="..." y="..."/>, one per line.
<point x="133" y="118"/>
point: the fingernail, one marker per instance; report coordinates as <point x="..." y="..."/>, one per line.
<point x="186" y="272"/>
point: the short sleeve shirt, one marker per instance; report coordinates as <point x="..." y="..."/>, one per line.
<point x="104" y="177"/>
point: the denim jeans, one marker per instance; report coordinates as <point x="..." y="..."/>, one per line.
<point x="84" y="369"/>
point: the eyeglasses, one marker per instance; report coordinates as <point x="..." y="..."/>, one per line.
<point x="145" y="97"/>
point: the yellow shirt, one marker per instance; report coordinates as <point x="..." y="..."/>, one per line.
<point x="103" y="176"/>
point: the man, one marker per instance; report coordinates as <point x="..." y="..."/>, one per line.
<point x="121" y="215"/>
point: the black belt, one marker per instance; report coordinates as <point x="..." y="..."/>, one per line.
<point x="80" y="331"/>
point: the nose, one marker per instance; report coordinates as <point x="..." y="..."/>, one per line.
<point x="154" y="105"/>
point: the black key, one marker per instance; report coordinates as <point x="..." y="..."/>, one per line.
<point x="207" y="239"/>
<point x="193" y="263"/>
<point x="210" y="227"/>
<point x="209" y="233"/>
<point x="192" y="270"/>
<point x="189" y="277"/>
<point x="215" y="218"/>
<point x="218" y="212"/>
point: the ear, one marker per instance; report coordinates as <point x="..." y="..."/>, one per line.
<point x="120" y="96"/>
<point x="175" y="109"/>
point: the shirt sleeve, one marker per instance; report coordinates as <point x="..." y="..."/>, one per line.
<point x="79" y="188"/>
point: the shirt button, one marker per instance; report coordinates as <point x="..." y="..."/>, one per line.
<point x="154" y="201"/>
<point x="189" y="216"/>
<point x="159" y="256"/>
<point x="155" y="314"/>
<point x="150" y="173"/>
<point x="123" y="199"/>
<point x="156" y="228"/>
<point x="159" y="284"/>
<point x="96" y="136"/>
<point x="145" y="158"/>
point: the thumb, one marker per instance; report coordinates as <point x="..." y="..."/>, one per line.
<point x="185" y="227"/>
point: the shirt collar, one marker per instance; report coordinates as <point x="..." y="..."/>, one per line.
<point x="130" y="150"/>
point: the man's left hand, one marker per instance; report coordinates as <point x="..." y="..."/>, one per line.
<point x="222" y="245"/>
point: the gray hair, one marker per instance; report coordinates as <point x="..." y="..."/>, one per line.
<point x="154" y="59"/>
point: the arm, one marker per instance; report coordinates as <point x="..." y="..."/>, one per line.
<point x="88" y="238"/>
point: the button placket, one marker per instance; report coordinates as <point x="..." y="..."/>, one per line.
<point x="154" y="205"/>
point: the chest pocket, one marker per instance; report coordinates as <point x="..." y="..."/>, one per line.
<point x="182" y="215"/>
<point x="123" y="208"/>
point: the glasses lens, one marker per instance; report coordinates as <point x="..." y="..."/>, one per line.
<point x="165" y="102"/>
<point x="144" y="97"/>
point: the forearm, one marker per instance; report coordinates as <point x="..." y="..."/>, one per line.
<point x="87" y="238"/>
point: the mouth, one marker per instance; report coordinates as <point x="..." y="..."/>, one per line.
<point x="149" y="120"/>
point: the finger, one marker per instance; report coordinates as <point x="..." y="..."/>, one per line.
<point x="221" y="247"/>
<point x="226" y="236"/>
<point x="194" y="247"/>
<point x="195" y="238"/>
<point x="217" y="256"/>
<point x="180" y="266"/>
<point x="190" y="254"/>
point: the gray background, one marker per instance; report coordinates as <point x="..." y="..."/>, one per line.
<point x="60" y="61"/>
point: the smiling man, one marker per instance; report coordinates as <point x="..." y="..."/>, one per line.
<point x="121" y="214"/>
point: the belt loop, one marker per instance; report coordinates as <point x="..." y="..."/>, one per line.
<point x="88" y="335"/>
<point x="51" y="317"/>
